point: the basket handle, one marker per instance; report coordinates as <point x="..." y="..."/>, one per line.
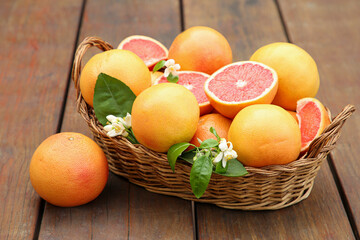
<point x="87" y="43"/>
<point x="331" y="133"/>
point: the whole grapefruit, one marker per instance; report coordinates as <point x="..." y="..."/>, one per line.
<point x="121" y="64"/>
<point x="163" y="115"/>
<point x="68" y="169"/>
<point x="265" y="134"/>
<point x="296" y="69"/>
<point x="200" y="49"/>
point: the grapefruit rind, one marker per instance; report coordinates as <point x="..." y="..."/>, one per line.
<point x="324" y="122"/>
<point x="205" y="107"/>
<point x="152" y="62"/>
<point x="230" y="109"/>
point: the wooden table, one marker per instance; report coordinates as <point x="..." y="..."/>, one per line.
<point x="37" y="98"/>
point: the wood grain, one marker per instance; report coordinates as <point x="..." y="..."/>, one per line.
<point x="249" y="25"/>
<point x="123" y="210"/>
<point x="330" y="31"/>
<point x="36" y="48"/>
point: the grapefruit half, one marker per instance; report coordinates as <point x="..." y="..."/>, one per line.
<point x="193" y="81"/>
<point x="313" y="119"/>
<point x="150" y="50"/>
<point x="240" y="84"/>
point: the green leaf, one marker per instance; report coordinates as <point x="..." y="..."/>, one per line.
<point x="213" y="131"/>
<point x="200" y="175"/>
<point x="209" y="143"/>
<point x="234" y="169"/>
<point x="174" y="152"/>
<point x="111" y="97"/>
<point x="159" y="65"/>
<point x="173" y="79"/>
<point x="188" y="156"/>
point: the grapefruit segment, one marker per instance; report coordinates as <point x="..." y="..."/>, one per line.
<point x="313" y="119"/>
<point x="150" y="50"/>
<point x="193" y="81"/>
<point x="239" y="85"/>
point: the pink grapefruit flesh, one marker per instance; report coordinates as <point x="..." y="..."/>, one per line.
<point x="193" y="81"/>
<point x="239" y="85"/>
<point x="148" y="49"/>
<point x="313" y="119"/>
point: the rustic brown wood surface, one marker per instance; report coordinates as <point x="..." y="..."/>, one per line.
<point x="35" y="56"/>
<point x="258" y="23"/>
<point x="330" y="31"/>
<point x="123" y="210"/>
<point x="36" y="50"/>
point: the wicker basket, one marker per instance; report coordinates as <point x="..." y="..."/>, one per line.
<point x="271" y="187"/>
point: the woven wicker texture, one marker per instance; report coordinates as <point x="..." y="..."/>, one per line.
<point x="266" y="188"/>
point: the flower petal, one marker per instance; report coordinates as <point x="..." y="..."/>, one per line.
<point x="177" y="66"/>
<point x="111" y="118"/>
<point x="127" y="120"/>
<point x="166" y="72"/>
<point x="218" y="157"/>
<point x="108" y="128"/>
<point x="224" y="162"/>
<point x="223" y="145"/>
<point x="112" y="133"/>
<point x="169" y="62"/>
<point x="231" y="145"/>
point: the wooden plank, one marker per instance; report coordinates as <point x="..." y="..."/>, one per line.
<point x="123" y="210"/>
<point x="249" y="25"/>
<point x="36" y="49"/>
<point x="330" y="30"/>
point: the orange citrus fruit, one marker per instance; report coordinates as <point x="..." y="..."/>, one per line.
<point x="68" y="169"/>
<point x="148" y="49"/>
<point x="220" y="123"/>
<point x="296" y="69"/>
<point x="163" y="115"/>
<point x="201" y="49"/>
<point x="265" y="134"/>
<point x="194" y="81"/>
<point x="121" y="64"/>
<point x="313" y="119"/>
<point x="240" y="84"/>
<point x="293" y="114"/>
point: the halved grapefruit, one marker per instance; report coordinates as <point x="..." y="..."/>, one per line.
<point x="150" y="50"/>
<point x="194" y="81"/>
<point x="313" y="119"/>
<point x="240" y="84"/>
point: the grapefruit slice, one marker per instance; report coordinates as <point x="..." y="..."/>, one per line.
<point x="313" y="119"/>
<point x="150" y="50"/>
<point x="240" y="84"/>
<point x="194" y="81"/>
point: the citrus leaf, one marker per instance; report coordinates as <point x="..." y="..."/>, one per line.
<point x="209" y="143"/>
<point x="174" y="152"/>
<point x="213" y="131"/>
<point x="188" y="156"/>
<point x="173" y="79"/>
<point x="200" y="175"/>
<point x="111" y="97"/>
<point x="159" y="65"/>
<point x="234" y="169"/>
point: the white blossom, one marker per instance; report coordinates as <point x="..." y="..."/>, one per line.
<point x="171" y="67"/>
<point x="226" y="153"/>
<point x="118" y="125"/>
